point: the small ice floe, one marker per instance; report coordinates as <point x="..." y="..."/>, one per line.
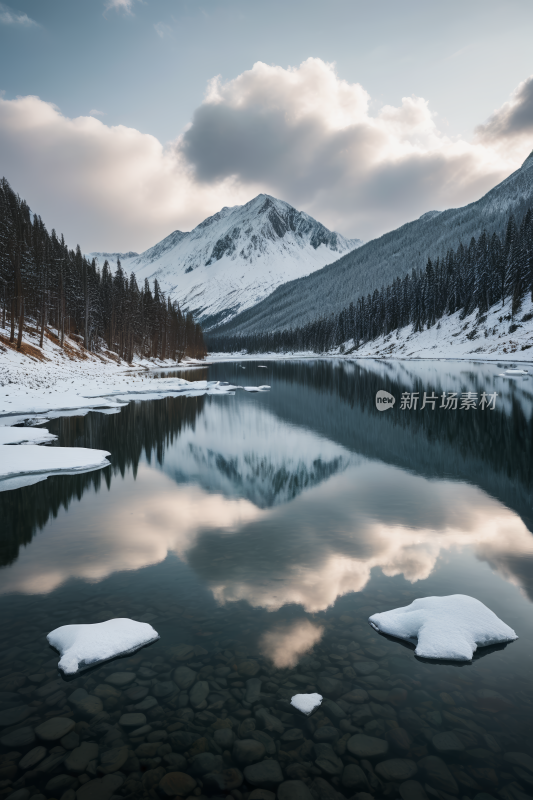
<point x="83" y="646"/>
<point x="261" y="366"/>
<point x="25" y="436"/>
<point x="450" y="628"/>
<point x="256" y="388"/>
<point x="514" y="373"/>
<point x="306" y="703"/>
<point x="22" y="466"/>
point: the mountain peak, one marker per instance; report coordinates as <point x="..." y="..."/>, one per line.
<point x="238" y="256"/>
<point x="429" y="215"/>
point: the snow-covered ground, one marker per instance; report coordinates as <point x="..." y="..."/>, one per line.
<point x="23" y="465"/>
<point x="40" y="384"/>
<point x="486" y="339"/>
<point x="470" y="339"/>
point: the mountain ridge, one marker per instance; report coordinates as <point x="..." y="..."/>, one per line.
<point x="378" y="262"/>
<point x="238" y="256"/>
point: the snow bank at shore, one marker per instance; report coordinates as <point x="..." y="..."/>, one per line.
<point x="26" y="464"/>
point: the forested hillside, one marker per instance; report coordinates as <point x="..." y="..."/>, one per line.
<point x="45" y="285"/>
<point x="487" y="271"/>
<point x="379" y="262"/>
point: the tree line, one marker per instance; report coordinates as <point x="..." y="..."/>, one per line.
<point x="487" y="271"/>
<point x="45" y="285"/>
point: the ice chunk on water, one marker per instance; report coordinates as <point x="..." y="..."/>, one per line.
<point x="83" y="646"/>
<point x="451" y="627"/>
<point x="256" y="388"/>
<point x="33" y="460"/>
<point x="25" y="436"/>
<point x="306" y="703"/>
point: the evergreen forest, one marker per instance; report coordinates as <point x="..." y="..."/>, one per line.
<point x="476" y="276"/>
<point x="46" y="286"/>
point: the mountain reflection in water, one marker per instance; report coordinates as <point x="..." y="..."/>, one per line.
<point x="288" y="498"/>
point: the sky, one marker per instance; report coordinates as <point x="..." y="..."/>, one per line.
<point x="123" y="120"/>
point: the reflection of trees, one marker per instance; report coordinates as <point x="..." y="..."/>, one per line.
<point x="491" y="449"/>
<point x="140" y="429"/>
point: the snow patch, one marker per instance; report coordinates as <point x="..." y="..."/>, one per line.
<point x="38" y="463"/>
<point x="25" y="436"/>
<point x="450" y="628"/>
<point x="306" y="703"/>
<point x="83" y="646"/>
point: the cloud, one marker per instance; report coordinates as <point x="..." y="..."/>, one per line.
<point x="94" y="112"/>
<point x="9" y="17"/>
<point x="307" y="135"/>
<point x="119" y="5"/>
<point x="514" y="120"/>
<point x="162" y="29"/>
<point x="106" y="187"/>
<point x="303" y="134"/>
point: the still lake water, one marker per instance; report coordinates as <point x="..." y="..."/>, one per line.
<point x="257" y="533"/>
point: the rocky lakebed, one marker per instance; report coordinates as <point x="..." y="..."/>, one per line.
<point x="214" y="720"/>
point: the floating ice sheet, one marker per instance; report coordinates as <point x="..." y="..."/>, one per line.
<point x="25" y="436"/>
<point x="451" y="627"/>
<point x="83" y="646"/>
<point x="256" y="388"/>
<point x="306" y="703"/>
<point x="32" y="460"/>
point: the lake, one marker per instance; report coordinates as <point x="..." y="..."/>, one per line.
<point x="257" y="533"/>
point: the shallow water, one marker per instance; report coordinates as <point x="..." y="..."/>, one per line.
<point x="257" y="533"/>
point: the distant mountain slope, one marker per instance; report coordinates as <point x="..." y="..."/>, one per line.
<point x="237" y="257"/>
<point x="112" y="257"/>
<point x="376" y="263"/>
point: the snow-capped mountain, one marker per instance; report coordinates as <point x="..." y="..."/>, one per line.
<point x="237" y="257"/>
<point x="378" y="262"/>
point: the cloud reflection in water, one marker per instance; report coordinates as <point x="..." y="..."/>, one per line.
<point x="284" y="645"/>
<point x="310" y="551"/>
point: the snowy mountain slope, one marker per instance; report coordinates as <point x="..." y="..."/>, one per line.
<point x="379" y="261"/>
<point x="237" y="257"/>
<point x="492" y="337"/>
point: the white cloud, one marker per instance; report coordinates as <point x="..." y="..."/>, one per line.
<point x="309" y="136"/>
<point x="94" y="112"/>
<point x="105" y="187"/>
<point x="302" y="134"/>
<point x="162" y="29"/>
<point x="119" y="5"/>
<point x="9" y="17"/>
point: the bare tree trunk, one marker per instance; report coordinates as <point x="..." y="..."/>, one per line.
<point x="43" y="319"/>
<point x="21" y="324"/>
<point x="13" y="315"/>
<point x="86" y="321"/>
